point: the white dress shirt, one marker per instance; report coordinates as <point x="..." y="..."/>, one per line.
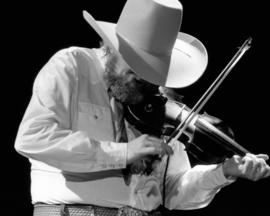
<point x="68" y="133"/>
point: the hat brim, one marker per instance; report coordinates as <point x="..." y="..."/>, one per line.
<point x="183" y="67"/>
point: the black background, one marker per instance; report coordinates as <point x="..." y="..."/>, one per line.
<point x="35" y="31"/>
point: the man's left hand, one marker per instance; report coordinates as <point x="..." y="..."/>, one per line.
<point x="252" y="167"/>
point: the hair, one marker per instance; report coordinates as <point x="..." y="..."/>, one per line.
<point x="107" y="50"/>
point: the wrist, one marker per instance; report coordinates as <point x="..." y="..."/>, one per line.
<point x="226" y="173"/>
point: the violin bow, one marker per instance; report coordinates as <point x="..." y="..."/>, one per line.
<point x="210" y="91"/>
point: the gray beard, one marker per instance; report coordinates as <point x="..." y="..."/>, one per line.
<point x="123" y="91"/>
<point x="121" y="88"/>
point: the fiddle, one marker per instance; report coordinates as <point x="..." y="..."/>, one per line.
<point x="207" y="139"/>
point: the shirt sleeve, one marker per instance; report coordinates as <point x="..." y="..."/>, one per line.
<point x="191" y="188"/>
<point x="45" y="133"/>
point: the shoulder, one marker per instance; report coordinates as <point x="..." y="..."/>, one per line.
<point x="72" y="59"/>
<point x="74" y="54"/>
<point x="62" y="65"/>
<point x="68" y="64"/>
<point x="73" y="50"/>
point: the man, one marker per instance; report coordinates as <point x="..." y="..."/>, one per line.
<point x="85" y="159"/>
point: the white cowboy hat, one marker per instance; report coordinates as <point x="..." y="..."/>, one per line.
<point x="147" y="37"/>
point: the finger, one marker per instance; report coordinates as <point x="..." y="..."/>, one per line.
<point x="265" y="172"/>
<point x="261" y="172"/>
<point x="158" y="146"/>
<point x="168" y="149"/>
<point x="248" y="167"/>
<point x="152" y="150"/>
<point x="238" y="159"/>
<point x="255" y="167"/>
<point x="153" y="138"/>
<point x="153" y="141"/>
<point x="250" y="155"/>
<point x="160" y="150"/>
<point x="258" y="172"/>
<point x="263" y="156"/>
<point x="265" y="169"/>
<point x="151" y="144"/>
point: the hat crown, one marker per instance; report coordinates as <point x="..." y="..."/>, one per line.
<point x="147" y="37"/>
<point x="151" y="25"/>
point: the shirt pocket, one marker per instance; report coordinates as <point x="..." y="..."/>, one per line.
<point x="96" y="120"/>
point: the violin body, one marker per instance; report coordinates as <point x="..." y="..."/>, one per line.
<point x="207" y="139"/>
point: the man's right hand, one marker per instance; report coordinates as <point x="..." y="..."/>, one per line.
<point x="146" y="145"/>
